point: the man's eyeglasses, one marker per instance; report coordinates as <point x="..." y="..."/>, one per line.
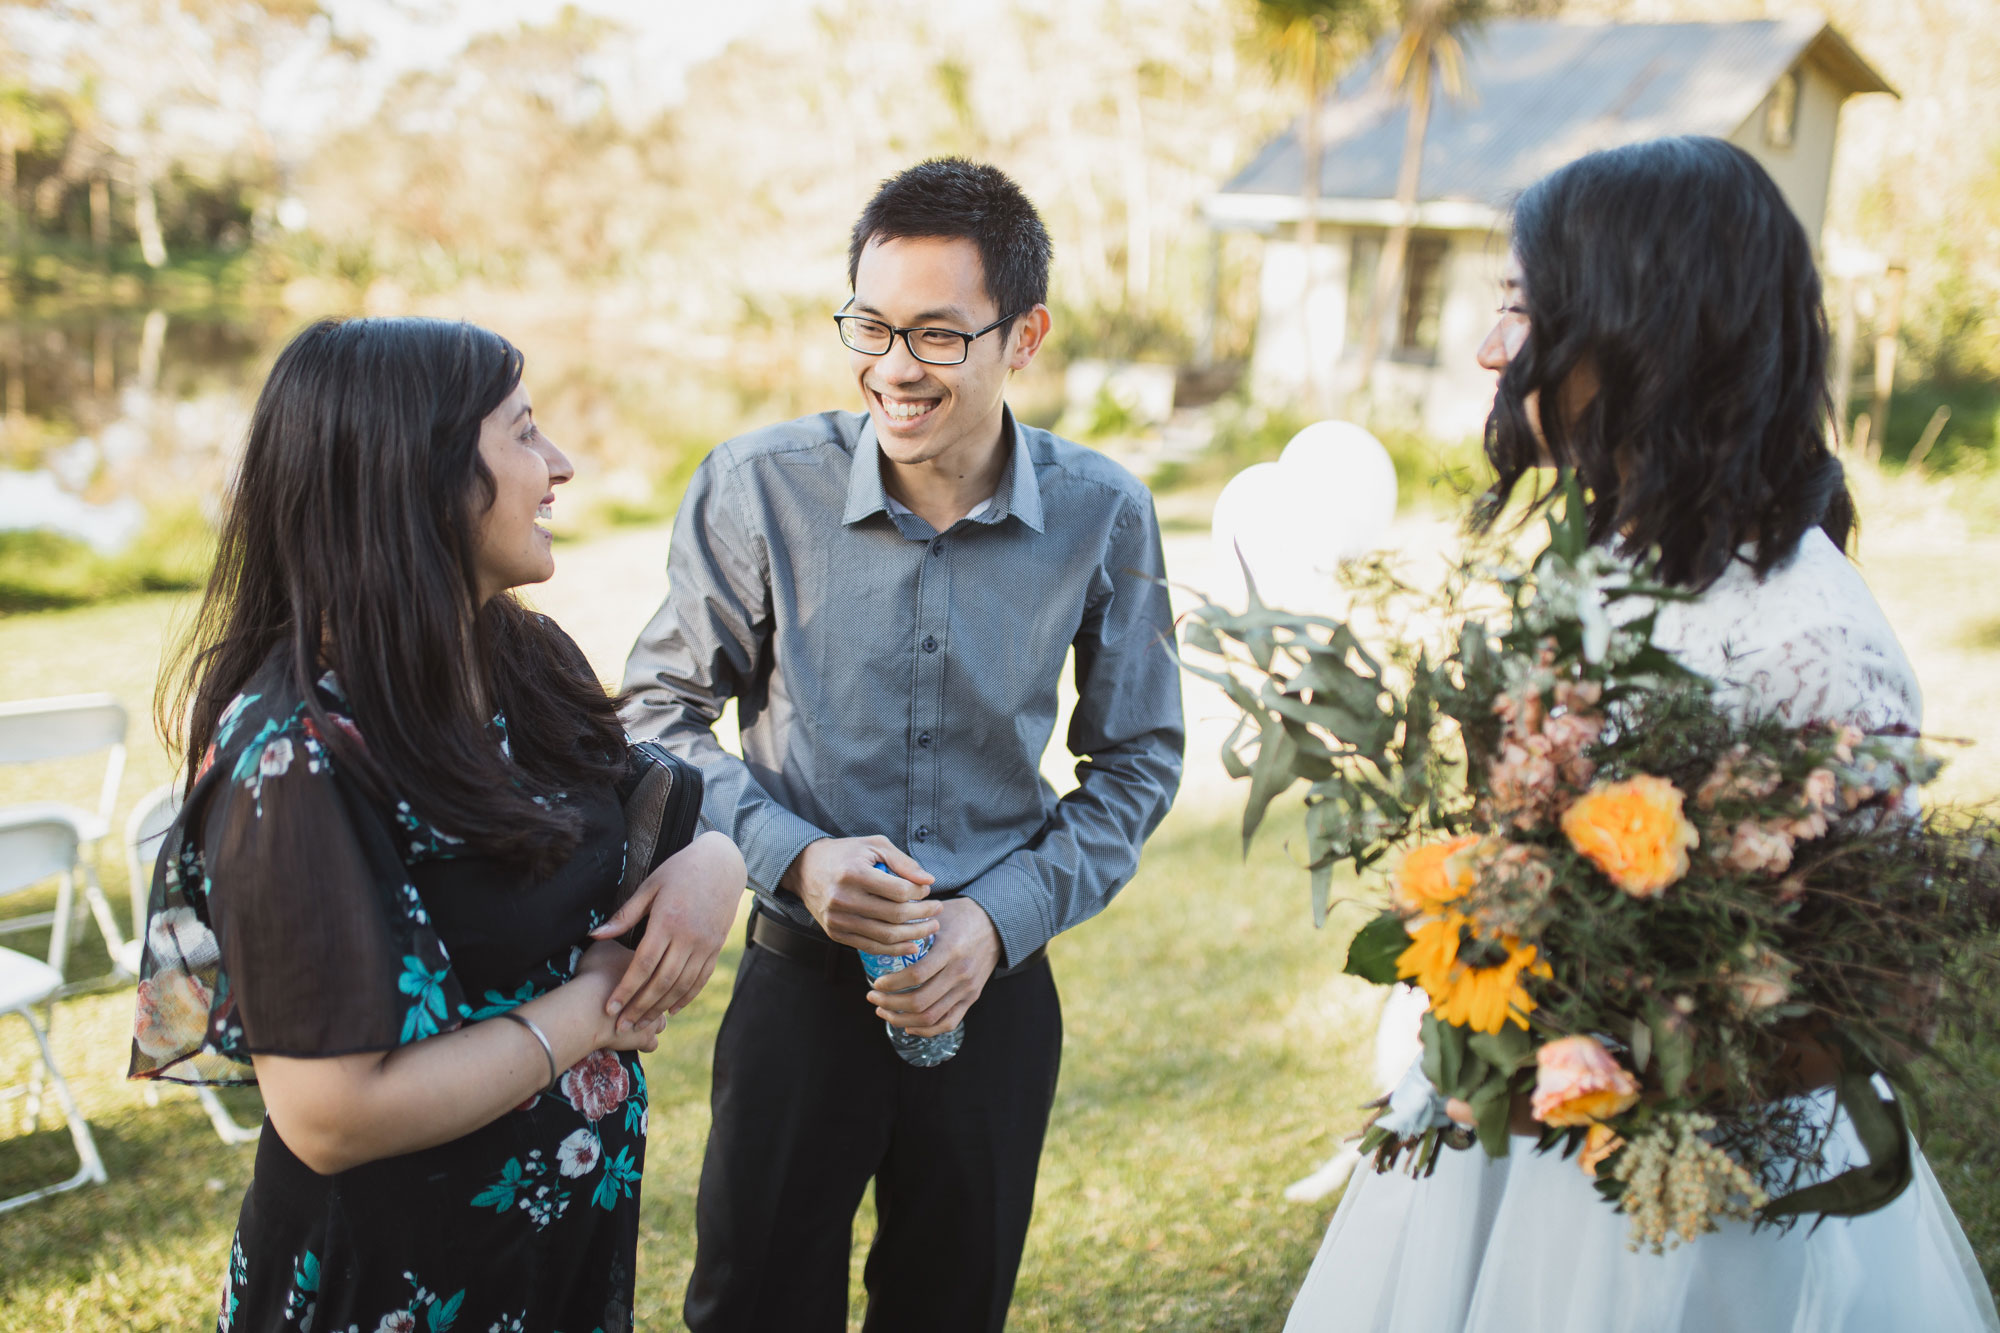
<point x="932" y="346"/>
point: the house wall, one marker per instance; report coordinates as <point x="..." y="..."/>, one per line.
<point x="1447" y="400"/>
<point x="1805" y="169"/>
<point x="1286" y="336"/>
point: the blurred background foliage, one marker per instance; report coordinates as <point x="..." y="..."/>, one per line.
<point x="185" y="182"/>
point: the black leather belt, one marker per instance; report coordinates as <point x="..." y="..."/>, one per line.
<point x="832" y="960"/>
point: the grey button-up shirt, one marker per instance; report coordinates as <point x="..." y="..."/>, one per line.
<point x="898" y="681"/>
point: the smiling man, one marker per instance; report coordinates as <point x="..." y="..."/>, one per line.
<point x="891" y="596"/>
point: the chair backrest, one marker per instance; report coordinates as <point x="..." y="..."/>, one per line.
<point x="58" y="728"/>
<point x="144" y="831"/>
<point x="33" y="849"/>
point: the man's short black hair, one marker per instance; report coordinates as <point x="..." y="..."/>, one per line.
<point x="951" y="197"/>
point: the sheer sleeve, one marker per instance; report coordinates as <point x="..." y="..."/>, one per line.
<point x="282" y="919"/>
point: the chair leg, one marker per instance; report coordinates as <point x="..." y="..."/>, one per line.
<point x="107" y="924"/>
<point x="225" y="1125"/>
<point x="31" y="1105"/>
<point x="90" y="1168"/>
<point x="65" y="911"/>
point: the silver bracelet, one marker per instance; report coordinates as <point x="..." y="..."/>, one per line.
<point x="548" y="1051"/>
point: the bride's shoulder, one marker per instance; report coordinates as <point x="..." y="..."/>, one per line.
<point x="1807" y="642"/>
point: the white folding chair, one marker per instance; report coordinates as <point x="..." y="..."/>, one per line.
<point x="145" y="830"/>
<point x="33" y="850"/>
<point x="38" y="730"/>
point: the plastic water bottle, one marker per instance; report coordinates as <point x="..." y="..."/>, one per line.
<point x="923" y="1052"/>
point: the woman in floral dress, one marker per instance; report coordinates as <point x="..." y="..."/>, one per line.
<point x="388" y="897"/>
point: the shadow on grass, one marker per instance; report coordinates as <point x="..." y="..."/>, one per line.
<point x="166" y="1168"/>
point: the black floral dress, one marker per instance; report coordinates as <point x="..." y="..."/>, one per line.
<point x="291" y="915"/>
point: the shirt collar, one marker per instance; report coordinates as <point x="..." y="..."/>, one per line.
<point x="1019" y="492"/>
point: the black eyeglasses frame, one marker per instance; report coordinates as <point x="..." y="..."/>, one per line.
<point x="841" y="317"/>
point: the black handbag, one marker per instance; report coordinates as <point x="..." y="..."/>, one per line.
<point x="661" y="793"/>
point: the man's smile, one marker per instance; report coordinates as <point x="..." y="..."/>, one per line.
<point x="905" y="411"/>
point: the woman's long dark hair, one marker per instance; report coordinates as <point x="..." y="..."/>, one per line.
<point x="348" y="542"/>
<point x="1675" y="274"/>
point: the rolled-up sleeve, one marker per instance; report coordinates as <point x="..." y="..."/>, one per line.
<point x="1128" y="734"/>
<point x="702" y="647"/>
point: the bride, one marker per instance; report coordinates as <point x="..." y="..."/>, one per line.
<point x="1662" y="335"/>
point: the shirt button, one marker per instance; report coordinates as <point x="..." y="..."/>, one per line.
<point x="923" y="833"/>
<point x="923" y="740"/>
<point x="930" y="643"/>
<point x="937" y="547"/>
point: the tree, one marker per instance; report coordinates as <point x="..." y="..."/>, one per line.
<point x="1301" y="40"/>
<point x="1427" y="54"/>
<point x="157" y="83"/>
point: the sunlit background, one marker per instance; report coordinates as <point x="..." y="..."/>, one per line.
<point x="652" y="197"/>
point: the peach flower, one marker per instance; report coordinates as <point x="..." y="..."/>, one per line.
<point x="1634" y="831"/>
<point x="1578" y="1083"/>
<point x="1759" y="849"/>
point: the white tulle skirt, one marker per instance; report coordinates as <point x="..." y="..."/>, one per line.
<point x="1526" y="1245"/>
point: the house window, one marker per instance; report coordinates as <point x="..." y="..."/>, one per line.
<point x="1413" y="336"/>
<point x="1781" y="113"/>
<point x="1423" y="298"/>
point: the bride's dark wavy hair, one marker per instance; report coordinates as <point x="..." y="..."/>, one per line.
<point x="1675" y="273"/>
<point x="348" y="541"/>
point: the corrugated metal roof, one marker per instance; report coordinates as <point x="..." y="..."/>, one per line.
<point x="1543" y="92"/>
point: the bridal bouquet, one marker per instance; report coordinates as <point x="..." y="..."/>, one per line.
<point x="1645" y="923"/>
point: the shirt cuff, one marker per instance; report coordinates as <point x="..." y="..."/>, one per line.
<point x="1018" y="908"/>
<point x="771" y="842"/>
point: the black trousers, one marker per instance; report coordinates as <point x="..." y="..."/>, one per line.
<point x="809" y="1102"/>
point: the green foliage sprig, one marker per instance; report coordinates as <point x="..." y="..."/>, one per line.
<point x="1663" y="918"/>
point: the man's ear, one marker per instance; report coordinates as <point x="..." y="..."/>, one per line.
<point x="1029" y="332"/>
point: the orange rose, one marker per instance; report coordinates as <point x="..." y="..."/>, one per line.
<point x="1599" y="1144"/>
<point x="1578" y="1083"/>
<point x="1634" y="831"/>
<point x="1434" y="875"/>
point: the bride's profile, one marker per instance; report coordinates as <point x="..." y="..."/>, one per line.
<point x="1662" y="337"/>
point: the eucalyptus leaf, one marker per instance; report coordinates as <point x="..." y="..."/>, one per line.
<point x="1675" y="1049"/>
<point x="1270" y="776"/>
<point x="1642" y="1045"/>
<point x="1200" y="634"/>
<point x="1491" y="1107"/>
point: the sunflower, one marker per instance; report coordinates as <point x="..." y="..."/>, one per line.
<point x="1473" y="981"/>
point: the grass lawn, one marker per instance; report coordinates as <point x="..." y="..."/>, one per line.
<point x="1213" y="1054"/>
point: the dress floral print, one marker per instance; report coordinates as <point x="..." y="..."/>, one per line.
<point x="294" y="914"/>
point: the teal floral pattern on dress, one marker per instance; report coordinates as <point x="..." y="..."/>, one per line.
<point x="426" y="987"/>
<point x="278" y="843"/>
<point x="620" y="1180"/>
<point x="525" y="1183"/>
<point x="635" y="1105"/>
<point x="302" y="1300"/>
<point x="239" y="1276"/>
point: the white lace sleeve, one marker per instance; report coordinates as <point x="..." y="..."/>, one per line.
<point x="1808" y="643"/>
